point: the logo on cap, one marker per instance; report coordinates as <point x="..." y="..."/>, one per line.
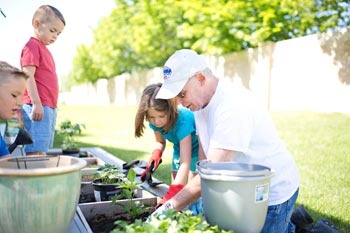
<point x="166" y="72"/>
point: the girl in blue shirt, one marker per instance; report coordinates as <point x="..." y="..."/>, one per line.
<point x="175" y="125"/>
<point x="12" y="85"/>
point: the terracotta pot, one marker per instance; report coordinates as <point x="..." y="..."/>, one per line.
<point x="39" y="193"/>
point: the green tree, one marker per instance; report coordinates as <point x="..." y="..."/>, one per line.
<point x="85" y="67"/>
<point x="141" y="34"/>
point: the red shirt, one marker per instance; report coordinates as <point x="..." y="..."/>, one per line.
<point x="35" y="53"/>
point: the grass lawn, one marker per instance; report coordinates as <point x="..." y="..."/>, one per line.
<point x="320" y="143"/>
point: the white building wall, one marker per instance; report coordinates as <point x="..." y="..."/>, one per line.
<point x="305" y="73"/>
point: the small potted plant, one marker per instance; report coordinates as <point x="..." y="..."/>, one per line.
<point x="107" y="182"/>
<point x="69" y="131"/>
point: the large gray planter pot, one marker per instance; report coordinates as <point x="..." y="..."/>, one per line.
<point x="39" y="193"/>
<point x="235" y="195"/>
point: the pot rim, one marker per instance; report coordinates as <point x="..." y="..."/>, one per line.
<point x="232" y="169"/>
<point x="67" y="164"/>
<point x="98" y="182"/>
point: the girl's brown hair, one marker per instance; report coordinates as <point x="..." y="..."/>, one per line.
<point x="148" y="100"/>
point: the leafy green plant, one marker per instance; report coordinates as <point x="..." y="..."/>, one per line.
<point x="128" y="187"/>
<point x="170" y="222"/>
<point x="110" y="174"/>
<point x="69" y="131"/>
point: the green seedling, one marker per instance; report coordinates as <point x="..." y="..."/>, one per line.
<point x="128" y="187"/>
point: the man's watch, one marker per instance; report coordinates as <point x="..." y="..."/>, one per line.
<point x="168" y="205"/>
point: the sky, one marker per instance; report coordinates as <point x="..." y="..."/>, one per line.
<point x="82" y="16"/>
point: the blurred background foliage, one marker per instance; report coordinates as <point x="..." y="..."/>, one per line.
<point x="142" y="34"/>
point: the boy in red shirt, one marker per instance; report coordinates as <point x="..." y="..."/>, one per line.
<point x="40" y="98"/>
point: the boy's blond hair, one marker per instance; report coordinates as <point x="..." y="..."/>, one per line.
<point x="45" y="13"/>
<point x="8" y="71"/>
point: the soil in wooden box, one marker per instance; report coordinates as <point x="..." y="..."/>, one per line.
<point x="103" y="224"/>
<point x="86" y="192"/>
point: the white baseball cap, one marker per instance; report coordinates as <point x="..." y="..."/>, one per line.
<point x="180" y="66"/>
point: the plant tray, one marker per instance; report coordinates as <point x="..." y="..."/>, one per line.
<point x="105" y="210"/>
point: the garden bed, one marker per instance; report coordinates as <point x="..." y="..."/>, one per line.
<point x="88" y="208"/>
<point x="100" y="216"/>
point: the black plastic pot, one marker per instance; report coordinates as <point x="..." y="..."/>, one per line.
<point x="71" y="152"/>
<point x="103" y="191"/>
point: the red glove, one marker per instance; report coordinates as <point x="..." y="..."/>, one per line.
<point x="172" y="191"/>
<point x="156" y="158"/>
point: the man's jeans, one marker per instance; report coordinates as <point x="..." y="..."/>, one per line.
<point x="278" y="217"/>
<point x="196" y="207"/>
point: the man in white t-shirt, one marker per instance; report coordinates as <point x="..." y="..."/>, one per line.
<point x="231" y="126"/>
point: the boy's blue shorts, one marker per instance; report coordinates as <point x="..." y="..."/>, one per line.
<point x="42" y="132"/>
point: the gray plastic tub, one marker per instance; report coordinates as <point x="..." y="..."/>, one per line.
<point x="235" y="195"/>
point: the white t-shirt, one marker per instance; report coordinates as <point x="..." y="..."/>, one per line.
<point x="234" y="121"/>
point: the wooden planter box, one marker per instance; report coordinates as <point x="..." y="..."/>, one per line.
<point x="97" y="156"/>
<point x="89" y="212"/>
<point x="84" y="153"/>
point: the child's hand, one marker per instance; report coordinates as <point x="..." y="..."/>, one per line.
<point x="156" y="158"/>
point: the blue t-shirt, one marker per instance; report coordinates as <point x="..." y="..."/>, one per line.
<point x="3" y="147"/>
<point x="184" y="126"/>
